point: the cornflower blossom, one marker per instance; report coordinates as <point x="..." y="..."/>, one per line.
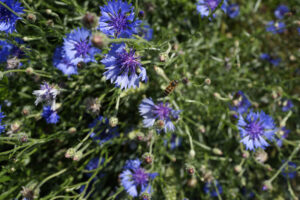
<point x="213" y="188"/>
<point x="241" y="103"/>
<point x="61" y="62"/>
<point x="8" y="50"/>
<point x="50" y="115"/>
<point x="78" y="46"/>
<point x="118" y="19"/>
<point x="161" y="111"/>
<point x="123" y="67"/>
<point x="135" y="179"/>
<point x="290" y="171"/>
<point x="272" y="60"/>
<point x="47" y="93"/>
<point x="102" y="131"/>
<point x="255" y="128"/>
<point x="283" y="135"/>
<point x="233" y="10"/>
<point x="2" y="126"/>
<point x="206" y="7"/>
<point x="287" y="105"/>
<point x="7" y="18"/>
<point x="280" y="11"/>
<point x="275" y="27"/>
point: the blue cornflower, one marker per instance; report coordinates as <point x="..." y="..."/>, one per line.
<point x="280" y="11"/>
<point x="78" y="46"/>
<point x="50" y="115"/>
<point x="298" y="29"/>
<point x="2" y="126"/>
<point x="118" y="20"/>
<point x="241" y="103"/>
<point x="145" y="31"/>
<point x="160" y="111"/>
<point x="205" y="7"/>
<point x="210" y="188"/>
<point x="287" y="105"/>
<point x="8" y="50"/>
<point x="290" y="171"/>
<point x="8" y="19"/>
<point x="284" y="133"/>
<point x="102" y="131"/>
<point x="255" y="128"/>
<point x="61" y="62"/>
<point x="174" y="141"/>
<point x="233" y="10"/>
<point x="123" y="67"/>
<point x="275" y="27"/>
<point x="271" y="60"/>
<point x="135" y="179"/>
<point x="46" y="93"/>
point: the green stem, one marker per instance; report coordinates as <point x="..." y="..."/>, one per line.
<point x="50" y="177"/>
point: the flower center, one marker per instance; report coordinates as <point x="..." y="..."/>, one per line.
<point x="212" y="4"/>
<point x="254" y="129"/>
<point x="5" y="14"/>
<point x="162" y="111"/>
<point x="140" y="177"/>
<point x="127" y="61"/>
<point x="119" y="22"/>
<point x="82" y="48"/>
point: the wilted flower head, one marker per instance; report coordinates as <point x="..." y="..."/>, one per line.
<point x="8" y="50"/>
<point x="287" y="105"/>
<point x="160" y="111"/>
<point x="63" y="63"/>
<point x="272" y="60"/>
<point x="290" y="171"/>
<point x="205" y="7"/>
<point x="92" y="105"/>
<point x="2" y="127"/>
<point x="135" y="179"/>
<point x="261" y="156"/>
<point x="145" y="31"/>
<point x="240" y="103"/>
<point x="47" y="93"/>
<point x="7" y="18"/>
<point x="233" y="10"/>
<point x="213" y="188"/>
<point x="255" y="128"/>
<point x="103" y="132"/>
<point x="50" y="115"/>
<point x="283" y="135"/>
<point x="280" y="11"/>
<point x="275" y="27"/>
<point x="124" y="67"/>
<point x="78" y="46"/>
<point x="118" y="20"/>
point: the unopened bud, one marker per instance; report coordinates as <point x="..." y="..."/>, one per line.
<point x="190" y="169"/>
<point x="72" y="130"/>
<point x="15" y="127"/>
<point x="185" y="80"/>
<point x="202" y="129"/>
<point x="267" y="185"/>
<point x="70" y="153"/>
<point x="23" y="137"/>
<point x="246" y="154"/>
<point x="207" y="81"/>
<point x="140" y="136"/>
<point x="141" y="14"/>
<point x="90" y="20"/>
<point x="192" y="182"/>
<point x="31" y="17"/>
<point x="217" y="151"/>
<point x="100" y="40"/>
<point x="261" y="156"/>
<point x="238" y="168"/>
<point x="145" y="196"/>
<point x="159" y="124"/>
<point x="29" y="70"/>
<point x="50" y="23"/>
<point x="113" y="121"/>
<point x="217" y="95"/>
<point x="49" y="11"/>
<point x="77" y="156"/>
<point x="148" y="158"/>
<point x="192" y="153"/>
<point x="162" y="57"/>
<point x="26" y="110"/>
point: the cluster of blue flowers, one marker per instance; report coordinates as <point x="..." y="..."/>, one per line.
<point x="278" y="27"/>
<point x="7" y="18"/>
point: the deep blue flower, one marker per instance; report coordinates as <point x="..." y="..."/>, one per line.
<point x="135" y="179"/>
<point x="61" y="62"/>
<point x="287" y="105"/>
<point x="173" y="142"/>
<point x="255" y="128"/>
<point x="298" y="29"/>
<point x="290" y="171"/>
<point x="272" y="60"/>
<point x="50" y="115"/>
<point x="8" y="50"/>
<point x="145" y="31"/>
<point x="284" y="133"/>
<point x="233" y="10"/>
<point x="241" y="103"/>
<point x="78" y="46"/>
<point x="275" y="27"/>
<point x="124" y="67"/>
<point x="102" y="131"/>
<point x="280" y="11"/>
<point x="8" y="19"/>
<point x="160" y="111"/>
<point x="2" y="126"/>
<point x="205" y="7"/>
<point x="210" y="188"/>
<point x="118" y="20"/>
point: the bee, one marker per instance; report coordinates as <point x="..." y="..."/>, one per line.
<point x="171" y="87"/>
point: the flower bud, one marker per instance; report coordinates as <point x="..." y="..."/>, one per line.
<point x="261" y="156"/>
<point x="238" y="168"/>
<point x="217" y="151"/>
<point x="192" y="153"/>
<point x="49" y="11"/>
<point x="72" y="130"/>
<point x="148" y="158"/>
<point x="190" y="169"/>
<point x="185" y="80"/>
<point x="70" y="153"/>
<point x="113" y="121"/>
<point x="90" y="20"/>
<point x="26" y="110"/>
<point x="15" y="127"/>
<point x="246" y="154"/>
<point x="207" y="81"/>
<point x="267" y="185"/>
<point x="162" y="58"/>
<point x="31" y="17"/>
<point x="145" y="196"/>
<point x="100" y="40"/>
<point x="141" y="14"/>
<point x="13" y="63"/>
<point x="192" y="182"/>
<point x="23" y="137"/>
<point x="50" y="23"/>
<point x="77" y="156"/>
<point x="27" y="193"/>
<point x="159" y="124"/>
<point x="29" y="70"/>
<point x="140" y="136"/>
